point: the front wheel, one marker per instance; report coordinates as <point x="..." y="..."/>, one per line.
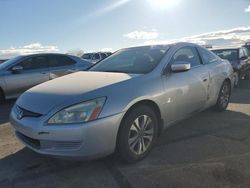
<point x="137" y="134"/>
<point x="224" y="97"/>
<point x="2" y="99"/>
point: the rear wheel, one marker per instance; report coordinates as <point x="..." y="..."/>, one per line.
<point x="224" y="97"/>
<point x="137" y="134"/>
<point x="2" y="98"/>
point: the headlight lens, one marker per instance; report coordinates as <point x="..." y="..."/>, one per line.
<point x="83" y="112"/>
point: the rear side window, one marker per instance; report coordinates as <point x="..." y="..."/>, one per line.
<point x="59" y="61"/>
<point x="187" y="54"/>
<point x="207" y="56"/>
<point x="39" y="62"/>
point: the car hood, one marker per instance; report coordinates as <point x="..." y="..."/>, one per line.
<point x="44" y="97"/>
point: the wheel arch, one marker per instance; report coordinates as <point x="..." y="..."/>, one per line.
<point x="153" y="105"/>
<point x="2" y="93"/>
<point x="230" y="82"/>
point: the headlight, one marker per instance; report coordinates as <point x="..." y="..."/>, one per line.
<point x="79" y="113"/>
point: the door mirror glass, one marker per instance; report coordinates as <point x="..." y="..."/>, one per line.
<point x="17" y="69"/>
<point x="180" y="66"/>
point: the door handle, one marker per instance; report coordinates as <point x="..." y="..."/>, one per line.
<point x="205" y="79"/>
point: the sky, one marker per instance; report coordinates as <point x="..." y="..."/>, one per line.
<point x="32" y="26"/>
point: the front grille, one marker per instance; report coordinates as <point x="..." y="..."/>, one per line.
<point x="67" y="145"/>
<point x="60" y="145"/>
<point x="30" y="141"/>
<point x="27" y="113"/>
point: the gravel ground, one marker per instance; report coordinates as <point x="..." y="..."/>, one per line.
<point x="208" y="150"/>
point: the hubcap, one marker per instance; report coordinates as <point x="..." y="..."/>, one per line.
<point x="141" y="134"/>
<point x="225" y="95"/>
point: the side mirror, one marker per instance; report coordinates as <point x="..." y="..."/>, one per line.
<point x="180" y="67"/>
<point x="243" y="58"/>
<point x="17" y="69"/>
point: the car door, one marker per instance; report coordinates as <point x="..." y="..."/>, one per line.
<point x="60" y="65"/>
<point x="185" y="92"/>
<point x="215" y="68"/>
<point x="34" y="71"/>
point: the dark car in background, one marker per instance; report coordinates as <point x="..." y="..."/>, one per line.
<point x="247" y="46"/>
<point x="239" y="59"/>
<point x="95" y="57"/>
<point x="23" y="72"/>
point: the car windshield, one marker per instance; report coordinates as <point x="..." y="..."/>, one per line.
<point x="138" y="60"/>
<point x="229" y="54"/>
<point x="87" y="56"/>
<point x="9" y="62"/>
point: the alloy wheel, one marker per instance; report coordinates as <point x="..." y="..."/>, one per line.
<point x="141" y="134"/>
<point x="225" y="95"/>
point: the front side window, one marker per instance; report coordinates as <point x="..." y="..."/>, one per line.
<point x="207" y="56"/>
<point x="228" y="54"/>
<point x="187" y="55"/>
<point x="10" y="62"/>
<point x="39" y="62"/>
<point x="138" y="60"/>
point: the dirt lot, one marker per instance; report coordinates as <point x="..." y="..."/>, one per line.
<point x="209" y="150"/>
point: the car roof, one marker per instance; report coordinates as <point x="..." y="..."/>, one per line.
<point x="164" y="45"/>
<point x="226" y="48"/>
<point x="95" y="52"/>
<point x="30" y="55"/>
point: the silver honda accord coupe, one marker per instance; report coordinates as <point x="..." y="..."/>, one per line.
<point x="123" y="103"/>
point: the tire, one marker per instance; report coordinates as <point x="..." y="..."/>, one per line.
<point x="236" y="79"/>
<point x="223" y="97"/>
<point x="139" y="127"/>
<point x="2" y="98"/>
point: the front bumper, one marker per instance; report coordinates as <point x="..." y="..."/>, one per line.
<point x="85" y="141"/>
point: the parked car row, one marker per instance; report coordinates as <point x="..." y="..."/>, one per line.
<point x="95" y="57"/>
<point x="121" y="104"/>
<point x="239" y="59"/>
<point x="247" y="45"/>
